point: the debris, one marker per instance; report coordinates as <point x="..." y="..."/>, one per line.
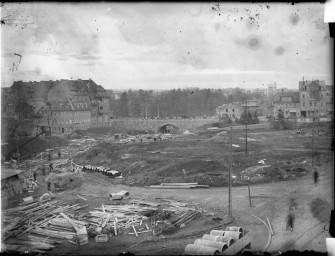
<point x="135" y="231"/>
<point x="178" y="185"/>
<point x="101" y="238"/>
<point x="261" y="161"/>
<point x="235" y="145"/>
<point x="81" y="197"/>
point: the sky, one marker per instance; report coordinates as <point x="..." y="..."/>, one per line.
<point x="166" y="45"/>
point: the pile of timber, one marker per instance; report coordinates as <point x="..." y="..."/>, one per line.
<point x="37" y="226"/>
<point x="185" y="218"/>
<point x="117" y="217"/>
<point x="178" y="185"/>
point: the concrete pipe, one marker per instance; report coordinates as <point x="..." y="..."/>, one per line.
<point x="217" y="233"/>
<point x="234" y="234"/>
<point x="194" y="249"/>
<point x="232" y="228"/>
<point x="228" y="240"/>
<point x="218" y="245"/>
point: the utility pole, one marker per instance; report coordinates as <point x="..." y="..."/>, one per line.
<point x="230" y="214"/>
<point x="313" y="142"/>
<point x="246" y="127"/>
<point x="249" y="191"/>
<point x="17" y="138"/>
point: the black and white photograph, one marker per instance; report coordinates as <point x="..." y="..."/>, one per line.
<point x="143" y="128"/>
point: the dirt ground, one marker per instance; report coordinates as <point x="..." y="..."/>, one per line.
<point x="205" y="157"/>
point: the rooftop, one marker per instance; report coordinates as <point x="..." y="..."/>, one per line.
<point x="7" y="172"/>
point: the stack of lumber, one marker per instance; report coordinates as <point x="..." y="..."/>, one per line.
<point x="119" y="216"/>
<point x="36" y="226"/>
<point x="178" y="185"/>
<point x="185" y="217"/>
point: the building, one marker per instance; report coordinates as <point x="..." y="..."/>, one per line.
<point x="288" y="102"/>
<point x="65" y="116"/>
<point x="44" y="95"/>
<point x="251" y="106"/>
<point x="316" y="98"/>
<point x="231" y="110"/>
<point x="271" y="90"/>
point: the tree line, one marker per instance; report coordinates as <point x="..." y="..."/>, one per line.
<point x="174" y="103"/>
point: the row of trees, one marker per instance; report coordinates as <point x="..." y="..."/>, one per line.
<point x="176" y="102"/>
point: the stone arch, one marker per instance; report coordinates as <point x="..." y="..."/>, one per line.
<point x="168" y="128"/>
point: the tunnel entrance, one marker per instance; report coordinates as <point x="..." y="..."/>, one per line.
<point x="168" y="128"/>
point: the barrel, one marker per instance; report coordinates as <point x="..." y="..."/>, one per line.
<point x="218" y="245"/>
<point x="234" y="234"/>
<point x="217" y="233"/>
<point x="233" y="228"/>
<point x="194" y="249"/>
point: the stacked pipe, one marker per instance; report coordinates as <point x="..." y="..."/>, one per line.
<point x="214" y="243"/>
<point x="103" y="170"/>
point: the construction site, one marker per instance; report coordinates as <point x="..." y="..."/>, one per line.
<point x="202" y="191"/>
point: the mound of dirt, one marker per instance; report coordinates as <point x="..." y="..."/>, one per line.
<point x="35" y="146"/>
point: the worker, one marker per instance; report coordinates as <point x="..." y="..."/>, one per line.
<point x="290" y="220"/>
<point x="51" y="167"/>
<point x="316" y="176"/>
<point x="43" y="169"/>
<point x="49" y="157"/>
<point x="59" y="154"/>
<point x="48" y="184"/>
<point x="35" y="175"/>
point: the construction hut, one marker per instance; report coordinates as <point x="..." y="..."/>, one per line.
<point x="12" y="182"/>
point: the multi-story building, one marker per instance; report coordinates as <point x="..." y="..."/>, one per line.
<point x="65" y="116"/>
<point x="231" y="110"/>
<point x="43" y="93"/>
<point x="272" y="89"/>
<point x="316" y="98"/>
<point x="288" y="102"/>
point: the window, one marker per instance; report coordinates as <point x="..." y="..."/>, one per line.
<point x="310" y="103"/>
<point x="303" y="103"/>
<point x="233" y="110"/>
<point x="101" y="107"/>
<point x="303" y="95"/>
<point x="226" y="110"/>
<point x="314" y="104"/>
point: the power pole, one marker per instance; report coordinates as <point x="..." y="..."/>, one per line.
<point x="17" y="138"/>
<point x="230" y="214"/>
<point x="246" y="127"/>
<point x="249" y="191"/>
<point x="313" y="142"/>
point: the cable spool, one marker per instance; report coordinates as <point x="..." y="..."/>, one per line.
<point x="218" y="245"/>
<point x="194" y="249"/>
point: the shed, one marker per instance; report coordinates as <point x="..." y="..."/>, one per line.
<point x="12" y="182"/>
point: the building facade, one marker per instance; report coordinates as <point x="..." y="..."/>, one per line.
<point x="316" y="99"/>
<point x="231" y="110"/>
<point x="288" y="102"/>
<point x="65" y="116"/>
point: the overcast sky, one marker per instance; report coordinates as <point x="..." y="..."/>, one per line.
<point x="164" y="46"/>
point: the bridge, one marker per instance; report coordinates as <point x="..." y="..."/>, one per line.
<point x="160" y="125"/>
